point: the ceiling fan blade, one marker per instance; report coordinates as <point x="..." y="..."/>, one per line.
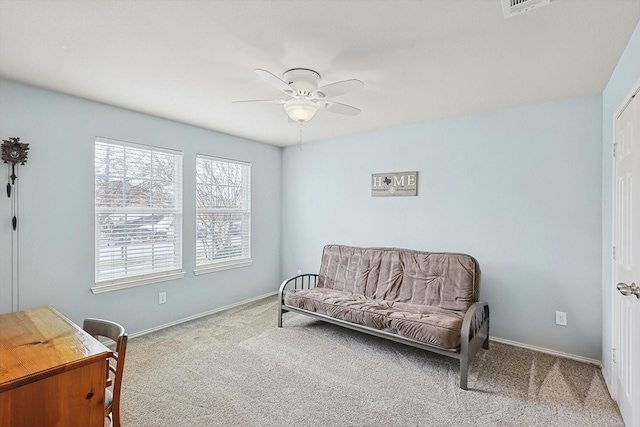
<point x="338" y="88"/>
<point x="336" y="107"/>
<point x="269" y="101"/>
<point x="275" y="81"/>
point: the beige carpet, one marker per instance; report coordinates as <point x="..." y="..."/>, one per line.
<point x="236" y="368"/>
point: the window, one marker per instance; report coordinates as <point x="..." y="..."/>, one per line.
<point x="138" y="215"/>
<point x="223" y="214"/>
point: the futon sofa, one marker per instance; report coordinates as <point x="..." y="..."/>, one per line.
<point x="427" y="300"/>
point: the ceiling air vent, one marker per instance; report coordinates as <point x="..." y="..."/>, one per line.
<point x="515" y="7"/>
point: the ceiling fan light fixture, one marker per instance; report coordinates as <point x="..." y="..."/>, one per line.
<point x="306" y="98"/>
<point x="300" y="110"/>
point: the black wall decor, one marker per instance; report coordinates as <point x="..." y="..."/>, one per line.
<point x="14" y="152"/>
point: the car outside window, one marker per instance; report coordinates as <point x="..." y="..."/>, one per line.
<point x="138" y="214"/>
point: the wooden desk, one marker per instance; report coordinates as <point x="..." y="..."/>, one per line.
<point x="52" y="373"/>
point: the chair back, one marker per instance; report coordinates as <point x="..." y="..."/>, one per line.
<point x="115" y="332"/>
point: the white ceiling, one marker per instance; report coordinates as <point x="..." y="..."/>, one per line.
<point x="419" y="60"/>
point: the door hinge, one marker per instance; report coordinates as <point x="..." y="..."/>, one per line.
<point x="613" y="355"/>
<point x="614" y="149"/>
<point x="614" y="252"/>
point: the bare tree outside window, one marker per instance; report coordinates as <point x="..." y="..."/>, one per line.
<point x="138" y="204"/>
<point x="223" y="212"/>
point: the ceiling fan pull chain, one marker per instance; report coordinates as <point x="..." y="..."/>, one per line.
<point x="300" y="138"/>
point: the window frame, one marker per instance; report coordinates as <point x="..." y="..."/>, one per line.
<point x="176" y="271"/>
<point x="244" y="260"/>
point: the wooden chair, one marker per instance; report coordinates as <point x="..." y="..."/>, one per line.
<point x="105" y="328"/>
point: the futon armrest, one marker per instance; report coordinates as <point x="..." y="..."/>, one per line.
<point x="301" y="281"/>
<point x="476" y="317"/>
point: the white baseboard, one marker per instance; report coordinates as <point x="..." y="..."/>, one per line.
<point x="197" y="316"/>
<point x="595" y="362"/>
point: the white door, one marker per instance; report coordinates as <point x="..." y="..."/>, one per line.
<point x="626" y="268"/>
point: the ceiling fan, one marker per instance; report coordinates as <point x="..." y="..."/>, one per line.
<point x="305" y="97"/>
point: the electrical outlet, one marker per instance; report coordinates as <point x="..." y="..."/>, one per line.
<point x="299" y="272"/>
<point x="162" y="297"/>
<point x="561" y="318"/>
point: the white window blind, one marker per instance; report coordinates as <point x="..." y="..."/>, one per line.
<point x="223" y="213"/>
<point x="138" y="208"/>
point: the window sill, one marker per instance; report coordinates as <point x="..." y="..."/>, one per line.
<point x="117" y="285"/>
<point x="211" y="268"/>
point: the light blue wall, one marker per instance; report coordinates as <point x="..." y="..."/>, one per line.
<point x="624" y="78"/>
<point x="56" y="202"/>
<point x="518" y="189"/>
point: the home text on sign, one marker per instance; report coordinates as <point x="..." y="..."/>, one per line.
<point x="394" y="184"/>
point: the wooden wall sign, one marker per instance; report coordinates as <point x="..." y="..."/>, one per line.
<point x="394" y="184"/>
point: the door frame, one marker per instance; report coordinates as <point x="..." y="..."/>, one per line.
<point x="609" y="375"/>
